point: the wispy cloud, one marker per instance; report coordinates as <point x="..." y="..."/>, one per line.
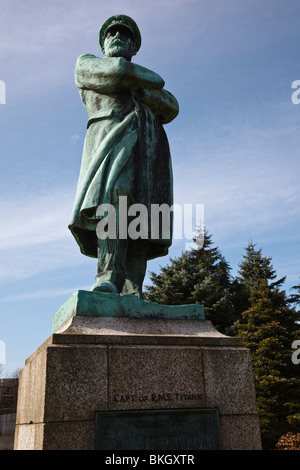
<point x="245" y="178"/>
<point x="34" y="237"/>
<point x="42" y="294"/>
<point x="30" y="261"/>
<point x="32" y="218"/>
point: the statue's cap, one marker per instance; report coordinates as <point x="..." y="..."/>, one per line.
<point x="122" y="20"/>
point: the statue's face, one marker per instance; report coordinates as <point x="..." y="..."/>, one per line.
<point x="119" y="42"/>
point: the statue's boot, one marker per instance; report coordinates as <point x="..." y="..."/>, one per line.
<point x="111" y="256"/>
<point x="109" y="281"/>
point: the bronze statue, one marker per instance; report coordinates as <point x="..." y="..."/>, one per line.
<point x="125" y="155"/>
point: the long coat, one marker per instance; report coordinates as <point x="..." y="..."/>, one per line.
<point x="126" y="153"/>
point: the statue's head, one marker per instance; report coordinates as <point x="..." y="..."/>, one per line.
<point x="119" y="36"/>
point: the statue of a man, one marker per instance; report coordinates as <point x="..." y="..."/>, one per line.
<point x="125" y="154"/>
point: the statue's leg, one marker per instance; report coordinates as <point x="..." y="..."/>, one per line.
<point x="111" y="256"/>
<point x="135" y="267"/>
<point x="112" y="252"/>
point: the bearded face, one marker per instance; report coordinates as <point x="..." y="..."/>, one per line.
<point x="119" y="42"/>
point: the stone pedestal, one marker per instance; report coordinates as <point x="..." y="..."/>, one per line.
<point x="108" y="364"/>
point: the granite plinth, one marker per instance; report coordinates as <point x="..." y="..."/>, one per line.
<point x="96" y="364"/>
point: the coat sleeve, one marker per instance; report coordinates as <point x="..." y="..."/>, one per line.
<point x="162" y="103"/>
<point x="113" y="74"/>
<point x="94" y="73"/>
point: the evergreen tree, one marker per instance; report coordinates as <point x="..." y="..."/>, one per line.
<point x="268" y="328"/>
<point x="256" y="268"/>
<point x="295" y="298"/>
<point x="200" y="275"/>
<point x="252" y="270"/>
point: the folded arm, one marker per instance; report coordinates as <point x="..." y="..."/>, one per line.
<point x="114" y="74"/>
<point x="162" y="103"/>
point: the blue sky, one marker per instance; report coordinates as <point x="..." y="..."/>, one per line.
<point x="235" y="143"/>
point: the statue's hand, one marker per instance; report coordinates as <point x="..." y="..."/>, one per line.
<point x="161" y="102"/>
<point x="138" y="77"/>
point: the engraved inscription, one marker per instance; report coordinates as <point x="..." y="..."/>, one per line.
<point x="157" y="397"/>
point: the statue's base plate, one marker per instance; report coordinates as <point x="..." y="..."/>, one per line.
<point x="99" y="304"/>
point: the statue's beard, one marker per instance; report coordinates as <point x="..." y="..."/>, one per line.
<point x="120" y="49"/>
<point x="116" y="49"/>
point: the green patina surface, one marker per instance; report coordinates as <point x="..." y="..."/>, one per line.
<point x="96" y="304"/>
<point x="126" y="156"/>
<point x="126" y="153"/>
